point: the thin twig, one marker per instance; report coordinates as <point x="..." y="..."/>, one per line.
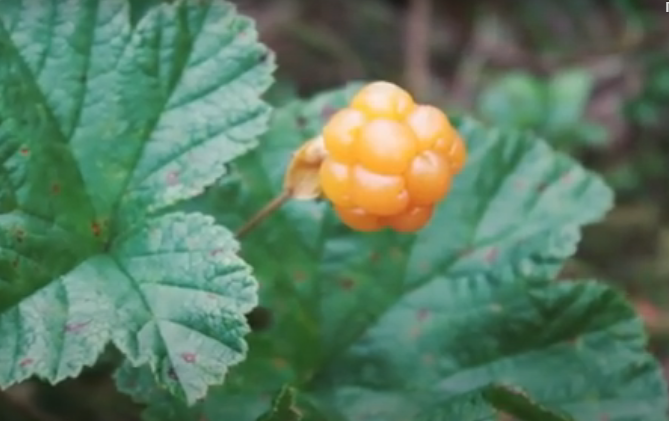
<point x="263" y="213"/>
<point x="417" y="48"/>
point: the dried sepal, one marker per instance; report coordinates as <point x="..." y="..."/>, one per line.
<point x="301" y="179"/>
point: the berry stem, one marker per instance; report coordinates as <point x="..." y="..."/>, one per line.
<point x="263" y="213"/>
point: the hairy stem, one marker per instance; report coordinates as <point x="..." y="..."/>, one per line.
<point x="263" y="213"/>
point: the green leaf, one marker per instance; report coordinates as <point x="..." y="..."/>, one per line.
<point x="576" y="346"/>
<point x="138" y="105"/>
<point x="388" y="326"/>
<point x="171" y="294"/>
<point x="283" y="407"/>
<point x="108" y="115"/>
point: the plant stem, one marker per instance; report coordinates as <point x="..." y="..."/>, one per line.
<point x="263" y="213"/>
<point x="417" y="48"/>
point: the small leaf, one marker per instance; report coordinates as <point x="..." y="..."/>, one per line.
<point x="283" y="407"/>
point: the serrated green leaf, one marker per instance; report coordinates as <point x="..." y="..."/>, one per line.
<point x="108" y="115"/>
<point x="146" y="110"/>
<point x="171" y="294"/>
<point x="576" y="346"/>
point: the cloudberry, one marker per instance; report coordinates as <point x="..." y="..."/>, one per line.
<point x="389" y="160"/>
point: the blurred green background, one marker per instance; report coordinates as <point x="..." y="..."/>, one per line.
<point x="590" y="77"/>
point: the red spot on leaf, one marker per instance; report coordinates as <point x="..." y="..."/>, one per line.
<point x="299" y="276"/>
<point x="26" y="362"/>
<point x="55" y="188"/>
<point x="19" y="234"/>
<point x="189" y="357"/>
<point x="491" y="255"/>
<point x="520" y="185"/>
<point x="604" y="417"/>
<point x="422" y="314"/>
<point x="567" y="177"/>
<point x="541" y="187"/>
<point x="347" y="283"/>
<point x="15" y="262"/>
<point x="75" y="327"/>
<point x="328" y="112"/>
<point x="374" y="256"/>
<point x="279" y="363"/>
<point x="96" y="229"/>
<point x="172" y="178"/>
<point x="24" y="151"/>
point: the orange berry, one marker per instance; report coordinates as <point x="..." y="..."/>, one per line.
<point x="457" y="155"/>
<point x="390" y="161"/>
<point x="410" y="221"/>
<point x="428" y="179"/>
<point x="386" y="146"/>
<point x="428" y="123"/>
<point x="341" y="132"/>
<point x="453" y="148"/>
<point x="383" y="100"/>
<point x="358" y="219"/>
<point x="335" y="180"/>
<point x="378" y="194"/>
